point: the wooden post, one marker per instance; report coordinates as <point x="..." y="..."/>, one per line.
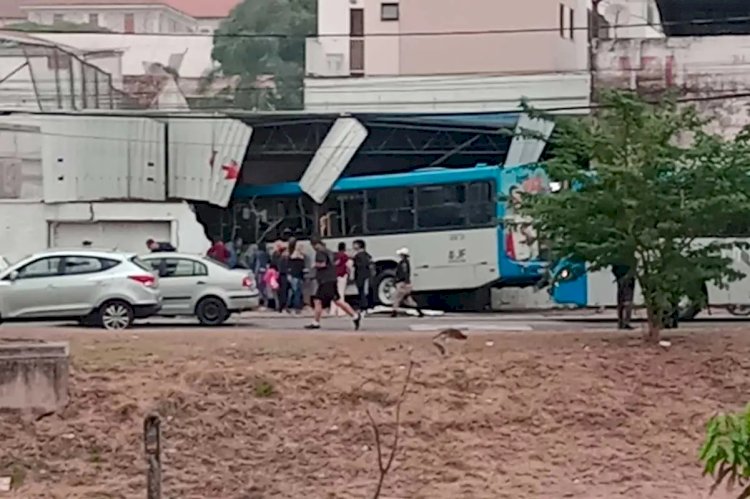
<point x="152" y="448"/>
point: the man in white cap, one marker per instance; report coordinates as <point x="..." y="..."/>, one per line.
<point x="403" y="284"/>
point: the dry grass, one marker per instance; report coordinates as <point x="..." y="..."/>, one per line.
<point x="261" y="415"/>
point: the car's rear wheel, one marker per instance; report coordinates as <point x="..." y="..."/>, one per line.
<point x="211" y="311"/>
<point x="115" y="315"/>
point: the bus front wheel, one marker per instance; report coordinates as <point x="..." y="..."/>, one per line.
<point x="385" y="287"/>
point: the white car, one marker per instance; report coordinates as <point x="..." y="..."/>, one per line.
<point x="198" y="286"/>
<point x="103" y="288"/>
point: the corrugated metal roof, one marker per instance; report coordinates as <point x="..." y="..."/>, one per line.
<point x="528" y="149"/>
<point x="205" y="158"/>
<point x="92" y="158"/>
<point x="332" y="157"/>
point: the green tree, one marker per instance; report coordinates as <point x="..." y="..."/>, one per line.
<point x="647" y="181"/>
<point x="263" y="38"/>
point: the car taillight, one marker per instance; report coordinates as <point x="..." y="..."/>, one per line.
<point x="247" y="282"/>
<point x="146" y="280"/>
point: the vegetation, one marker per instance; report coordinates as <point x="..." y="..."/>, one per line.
<point x="647" y="181"/>
<point x="265" y="38"/>
<point x="726" y="451"/>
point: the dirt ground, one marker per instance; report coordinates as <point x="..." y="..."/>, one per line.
<point x="250" y="415"/>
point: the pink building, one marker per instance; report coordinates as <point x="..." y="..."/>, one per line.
<point x="373" y="44"/>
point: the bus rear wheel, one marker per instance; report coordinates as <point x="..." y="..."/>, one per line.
<point x="385" y="287"/>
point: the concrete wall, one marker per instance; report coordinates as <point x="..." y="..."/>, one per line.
<point x="34" y="375"/>
<point x="694" y="66"/>
<point x="446" y="93"/>
<point x="25" y="226"/>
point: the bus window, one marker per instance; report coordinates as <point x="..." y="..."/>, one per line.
<point x="390" y="210"/>
<point x="482" y="205"/>
<point x="441" y="206"/>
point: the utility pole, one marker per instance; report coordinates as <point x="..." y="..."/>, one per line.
<point x="593" y="36"/>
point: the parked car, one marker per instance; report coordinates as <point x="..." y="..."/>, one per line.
<point x="199" y="286"/>
<point x="103" y="288"/>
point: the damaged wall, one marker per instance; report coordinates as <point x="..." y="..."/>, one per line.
<point x="29" y="225"/>
<point x="697" y="67"/>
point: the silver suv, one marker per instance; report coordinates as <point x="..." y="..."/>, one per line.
<point x="102" y="288"/>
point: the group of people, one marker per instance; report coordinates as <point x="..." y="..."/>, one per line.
<point x="280" y="275"/>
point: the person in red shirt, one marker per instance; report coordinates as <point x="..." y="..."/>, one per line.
<point x="219" y="251"/>
<point x="342" y="263"/>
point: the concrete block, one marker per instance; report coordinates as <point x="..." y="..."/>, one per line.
<point x="528" y="298"/>
<point x="34" y="375"/>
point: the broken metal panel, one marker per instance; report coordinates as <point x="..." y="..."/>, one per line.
<point x="205" y="157"/>
<point x="530" y="137"/>
<point x="332" y="157"/>
<point x="102" y="158"/>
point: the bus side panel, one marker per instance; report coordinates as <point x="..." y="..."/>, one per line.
<point x="573" y="292"/>
<point x="446" y="260"/>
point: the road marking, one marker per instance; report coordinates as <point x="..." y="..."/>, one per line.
<point x="471" y="327"/>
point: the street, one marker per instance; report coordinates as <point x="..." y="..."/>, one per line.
<point x="486" y="323"/>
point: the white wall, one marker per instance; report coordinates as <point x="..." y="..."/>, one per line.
<point x="696" y="67"/>
<point x="25" y="225"/>
<point x="151" y="20"/>
<point x="329" y="55"/>
<point x="446" y="93"/>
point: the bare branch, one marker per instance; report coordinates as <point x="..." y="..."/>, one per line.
<point x="385" y="468"/>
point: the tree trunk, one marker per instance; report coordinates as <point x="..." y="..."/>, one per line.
<point x="653" y="331"/>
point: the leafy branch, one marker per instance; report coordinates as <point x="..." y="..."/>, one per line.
<point x="726" y="451"/>
<point x="384" y="466"/>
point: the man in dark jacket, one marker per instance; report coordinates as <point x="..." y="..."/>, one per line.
<point x="363" y="272"/>
<point x="625" y="292"/>
<point x="157" y="247"/>
<point x="403" y="284"/>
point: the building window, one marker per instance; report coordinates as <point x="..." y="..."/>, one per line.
<point x="129" y="23"/>
<point x="567" y="26"/>
<point x="57" y="18"/>
<point x="357" y="22"/>
<point x="94" y="19"/>
<point x="572" y="23"/>
<point x="389" y="12"/>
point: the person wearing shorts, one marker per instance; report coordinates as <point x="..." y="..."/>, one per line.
<point x="327" y="292"/>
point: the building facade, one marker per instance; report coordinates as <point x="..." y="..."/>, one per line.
<point x="128" y="16"/>
<point x="120" y="19"/>
<point x="427" y="37"/>
<point x="442" y="55"/>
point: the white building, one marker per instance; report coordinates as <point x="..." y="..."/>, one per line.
<point x="131" y="16"/>
<point x="439" y="55"/>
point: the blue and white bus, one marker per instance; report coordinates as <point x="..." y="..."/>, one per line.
<point x="450" y="219"/>
<point x="585" y="289"/>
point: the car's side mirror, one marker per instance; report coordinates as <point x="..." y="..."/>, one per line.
<point x="13" y="276"/>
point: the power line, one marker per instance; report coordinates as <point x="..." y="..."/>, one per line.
<point x="225" y="113"/>
<point x="218" y="34"/>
